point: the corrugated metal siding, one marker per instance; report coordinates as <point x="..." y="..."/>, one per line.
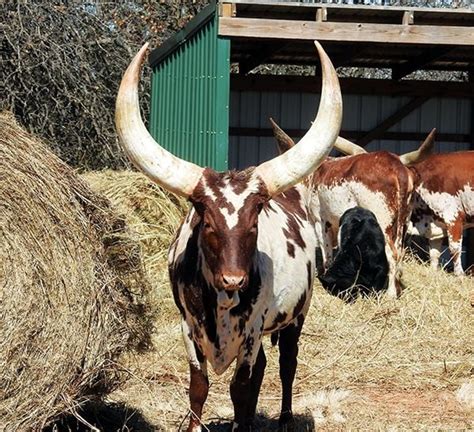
<point x="361" y="113"/>
<point x="190" y="98"/>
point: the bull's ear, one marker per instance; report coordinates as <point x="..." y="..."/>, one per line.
<point x="198" y="206"/>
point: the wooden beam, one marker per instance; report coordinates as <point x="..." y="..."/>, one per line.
<point x="311" y="84"/>
<point x="227" y="10"/>
<point x="258" y="57"/>
<point x="345" y="31"/>
<point x="470" y="232"/>
<point x="354" y="135"/>
<point x="430" y="55"/>
<point x="408" y="17"/>
<point x="321" y="14"/>
<point x="391" y="120"/>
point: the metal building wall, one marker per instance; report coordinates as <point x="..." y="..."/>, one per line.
<point x="252" y="109"/>
<point x="190" y="99"/>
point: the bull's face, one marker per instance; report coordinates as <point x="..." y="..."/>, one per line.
<point x="228" y="205"/>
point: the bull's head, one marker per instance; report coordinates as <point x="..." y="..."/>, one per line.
<point x="228" y="204"/>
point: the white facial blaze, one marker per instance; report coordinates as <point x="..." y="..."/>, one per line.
<point x="236" y="199"/>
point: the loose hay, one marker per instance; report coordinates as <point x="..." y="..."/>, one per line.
<point x="71" y="285"/>
<point x="151" y="212"/>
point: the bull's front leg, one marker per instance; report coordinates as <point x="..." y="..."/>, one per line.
<point x="199" y="382"/>
<point x="435" y="247"/>
<point x="288" y="344"/>
<point x="455" y="231"/>
<point x="328" y="235"/>
<point x="246" y="383"/>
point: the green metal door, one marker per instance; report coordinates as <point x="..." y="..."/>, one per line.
<point x="190" y="93"/>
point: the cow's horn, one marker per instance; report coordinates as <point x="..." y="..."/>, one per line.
<point x="147" y="155"/>
<point x="347" y="147"/>
<point x="425" y="149"/>
<point x="284" y="141"/>
<point x="292" y="166"/>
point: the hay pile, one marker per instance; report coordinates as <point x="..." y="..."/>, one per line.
<point x="151" y="212"/>
<point x="71" y="282"/>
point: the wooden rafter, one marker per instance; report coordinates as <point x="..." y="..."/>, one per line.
<point x="345" y="31"/>
<point x="310" y="84"/>
<point x="258" y="57"/>
<point x="420" y="62"/>
<point x="391" y="120"/>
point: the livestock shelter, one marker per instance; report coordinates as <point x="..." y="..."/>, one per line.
<point x="217" y="81"/>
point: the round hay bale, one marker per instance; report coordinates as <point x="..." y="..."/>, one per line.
<point x="153" y="213"/>
<point x="71" y="286"/>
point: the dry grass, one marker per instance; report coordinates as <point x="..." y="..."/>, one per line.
<point x="71" y="283"/>
<point x="152" y="213"/>
<point x="376" y="364"/>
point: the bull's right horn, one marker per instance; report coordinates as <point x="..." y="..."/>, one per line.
<point x="425" y="149"/>
<point x="301" y="160"/>
<point x="169" y="171"/>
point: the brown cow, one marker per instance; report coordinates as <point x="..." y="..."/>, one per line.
<point x="444" y="202"/>
<point x="444" y="198"/>
<point x="376" y="181"/>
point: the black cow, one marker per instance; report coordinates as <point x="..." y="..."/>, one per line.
<point x="360" y="265"/>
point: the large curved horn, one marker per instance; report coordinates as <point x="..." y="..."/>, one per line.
<point x="292" y="166"/>
<point x="425" y="149"/>
<point x="147" y="155"/>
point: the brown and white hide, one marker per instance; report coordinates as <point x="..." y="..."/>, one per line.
<point x="444" y="203"/>
<point x="376" y="181"/>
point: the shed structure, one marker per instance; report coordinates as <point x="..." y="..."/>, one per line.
<point x="211" y="97"/>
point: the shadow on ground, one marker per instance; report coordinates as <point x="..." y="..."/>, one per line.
<point x="303" y="423"/>
<point x="107" y="417"/>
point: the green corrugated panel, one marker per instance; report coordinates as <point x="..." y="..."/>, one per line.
<point x="190" y="99"/>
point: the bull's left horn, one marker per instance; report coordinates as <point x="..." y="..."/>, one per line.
<point x="347" y="147"/>
<point x="292" y="166"/>
<point x="169" y="171"/>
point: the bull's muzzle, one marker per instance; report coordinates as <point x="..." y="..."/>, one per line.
<point x="233" y="281"/>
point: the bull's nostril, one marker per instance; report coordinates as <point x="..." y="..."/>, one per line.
<point x="233" y="282"/>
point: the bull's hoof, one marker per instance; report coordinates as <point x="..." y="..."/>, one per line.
<point x="242" y="427"/>
<point x="286" y="423"/>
